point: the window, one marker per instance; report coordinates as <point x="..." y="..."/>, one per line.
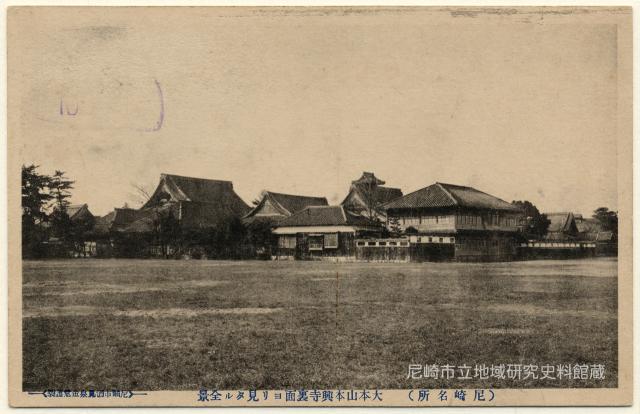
<point x="441" y="239"/>
<point x="419" y="239"/>
<point x="287" y="242"/>
<point x="331" y="241"/>
<point x="404" y="243"/>
<point x="392" y="243"/>
<point x="360" y="243"/>
<point x="371" y="243"/>
<point x="430" y="239"/>
<point x="315" y="242"/>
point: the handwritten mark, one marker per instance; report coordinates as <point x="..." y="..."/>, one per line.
<point x="63" y="111"/>
<point x="161" y="117"/>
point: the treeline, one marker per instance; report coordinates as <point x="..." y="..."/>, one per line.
<point x="230" y="239"/>
<point x="45" y="221"/>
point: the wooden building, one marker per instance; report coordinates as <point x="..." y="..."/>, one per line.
<point x="562" y="227"/>
<point x="274" y="207"/>
<point x="591" y="230"/>
<point x="191" y="203"/>
<point x="322" y="232"/>
<point x="367" y="196"/>
<point x="452" y="222"/>
<point x="195" y="203"/>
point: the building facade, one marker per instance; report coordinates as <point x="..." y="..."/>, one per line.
<point x="452" y="222"/>
<point x="322" y="232"/>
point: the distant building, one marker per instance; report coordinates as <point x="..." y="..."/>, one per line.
<point x="274" y="207"/>
<point x="453" y="222"/>
<point x="80" y="213"/>
<point x="118" y="219"/>
<point x="591" y="230"/>
<point x="562" y="227"/>
<point x="193" y="202"/>
<point x="367" y="196"/>
<point x="322" y="232"/>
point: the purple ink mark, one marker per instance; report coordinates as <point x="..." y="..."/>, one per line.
<point x="62" y="109"/>
<point x="161" y="117"/>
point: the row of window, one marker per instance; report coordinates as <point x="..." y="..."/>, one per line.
<point x="382" y="243"/>
<point x="432" y="239"/>
<point x="315" y="242"/>
<point x="490" y="220"/>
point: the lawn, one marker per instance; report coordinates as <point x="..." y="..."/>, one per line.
<point x="182" y="325"/>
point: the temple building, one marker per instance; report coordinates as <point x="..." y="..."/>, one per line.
<point x="452" y="222"/>
<point x="562" y="227"/>
<point x="274" y="207"/>
<point x="367" y="195"/>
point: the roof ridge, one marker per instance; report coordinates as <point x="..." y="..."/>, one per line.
<point x="195" y="178"/>
<point x="408" y="194"/>
<point x="296" y="195"/>
<point x="441" y="186"/>
<point x="476" y="190"/>
<point x="170" y="178"/>
<point x="278" y="204"/>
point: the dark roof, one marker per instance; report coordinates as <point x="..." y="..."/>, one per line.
<point x="287" y="204"/>
<point x="588" y="225"/>
<point x="118" y="219"/>
<point x="560" y="222"/>
<point x="79" y="212"/>
<point x="441" y="195"/>
<point x="605" y="236"/>
<point x="368" y="178"/>
<point x="199" y="190"/>
<point x="294" y="203"/>
<point x="387" y="194"/>
<point x="326" y="216"/>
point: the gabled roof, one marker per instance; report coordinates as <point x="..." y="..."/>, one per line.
<point x="588" y="225"/>
<point x="200" y="190"/>
<point x="326" y="216"/>
<point x="441" y="195"/>
<point x="383" y="195"/>
<point x="561" y="222"/>
<point x="287" y="204"/>
<point x="118" y="219"/>
<point x="368" y="178"/>
<point x="78" y="211"/>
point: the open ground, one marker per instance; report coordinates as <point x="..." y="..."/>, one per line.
<point x="183" y="325"/>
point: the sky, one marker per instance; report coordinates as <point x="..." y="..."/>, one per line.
<point x="519" y="106"/>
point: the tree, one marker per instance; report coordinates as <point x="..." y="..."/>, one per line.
<point x="35" y="199"/>
<point x="141" y="193"/>
<point x="535" y="223"/>
<point x="59" y="190"/>
<point x="394" y="226"/>
<point x="608" y="219"/>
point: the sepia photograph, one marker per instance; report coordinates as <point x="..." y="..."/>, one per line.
<point x="319" y="206"/>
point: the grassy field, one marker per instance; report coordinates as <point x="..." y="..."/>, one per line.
<point x="176" y="325"/>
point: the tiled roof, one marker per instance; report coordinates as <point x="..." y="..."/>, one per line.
<point x="325" y="216"/>
<point x="294" y="203"/>
<point x="199" y="190"/>
<point x="559" y="222"/>
<point x="440" y="195"/>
